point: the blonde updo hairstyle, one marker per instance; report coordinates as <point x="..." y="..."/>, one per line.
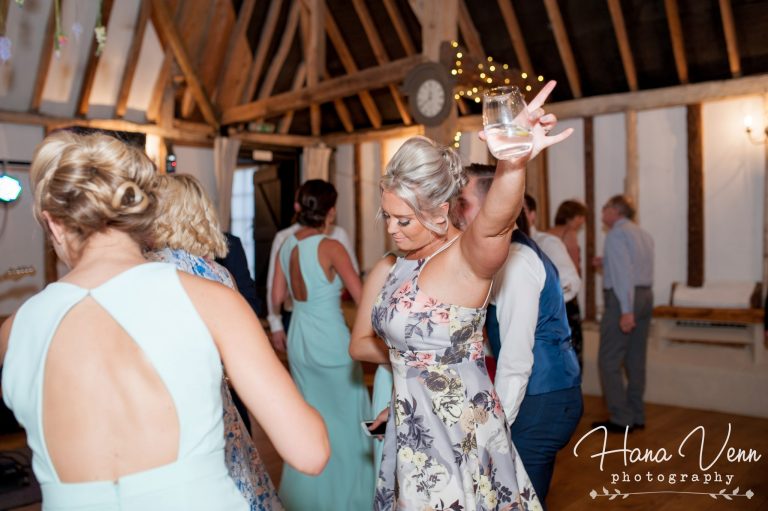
<point x="425" y="175"/>
<point x="89" y="183"/>
<point x="186" y="218"/>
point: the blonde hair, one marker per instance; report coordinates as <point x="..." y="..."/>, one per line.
<point x="425" y="175"/>
<point x="186" y="218"/>
<point x="91" y="183"/>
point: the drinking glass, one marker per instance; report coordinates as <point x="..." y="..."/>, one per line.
<point x="506" y="124"/>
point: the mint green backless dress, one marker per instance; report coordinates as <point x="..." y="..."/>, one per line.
<point x="331" y="382"/>
<point x="151" y="305"/>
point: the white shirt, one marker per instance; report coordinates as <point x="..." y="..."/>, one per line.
<point x="570" y="281"/>
<point x="516" y="290"/>
<point x="337" y="233"/>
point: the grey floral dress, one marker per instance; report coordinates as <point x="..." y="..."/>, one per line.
<point x="447" y="445"/>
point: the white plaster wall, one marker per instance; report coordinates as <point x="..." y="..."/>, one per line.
<point x="198" y="161"/>
<point x="21" y="238"/>
<point x="472" y="149"/>
<point x="343" y="178"/>
<point x="610" y="171"/>
<point x="374" y="241"/>
<point x="734" y="171"/>
<point x="663" y="193"/>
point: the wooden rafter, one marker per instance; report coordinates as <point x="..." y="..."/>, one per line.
<point x="166" y="29"/>
<point x="726" y="12"/>
<point x="617" y="17"/>
<point x="197" y="41"/>
<point x="590" y="228"/>
<point x="298" y="82"/>
<point x="696" y="201"/>
<point x="327" y="90"/>
<point x="516" y="35"/>
<point x="238" y="33"/>
<point x="314" y="54"/>
<point x="564" y="46"/>
<point x="260" y="54"/>
<point x="632" y="178"/>
<point x="369" y="105"/>
<point x="133" y="58"/>
<point x="275" y="139"/>
<point x="282" y="50"/>
<point x="156" y="100"/>
<point x="191" y="132"/>
<point x="469" y="32"/>
<point x="93" y="62"/>
<point x="676" y="33"/>
<point x="397" y="22"/>
<point x="381" y="56"/>
<point x="44" y="63"/>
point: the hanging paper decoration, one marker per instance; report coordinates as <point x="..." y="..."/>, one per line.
<point x="59" y="37"/>
<point x="20" y="2"/>
<point x="100" y="31"/>
<point x="77" y="30"/>
<point x="5" y="49"/>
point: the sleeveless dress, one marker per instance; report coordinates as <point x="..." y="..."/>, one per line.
<point x="331" y="382"/>
<point x="150" y="303"/>
<point x="243" y="460"/>
<point x="447" y="445"/>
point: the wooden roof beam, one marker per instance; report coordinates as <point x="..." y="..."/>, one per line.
<point x="381" y="56"/>
<point x="564" y="47"/>
<point x="238" y="33"/>
<point x="205" y="26"/>
<point x="327" y="90"/>
<point x="369" y="105"/>
<point x="262" y="47"/>
<point x="617" y="17"/>
<point x="166" y="29"/>
<point x="44" y="63"/>
<point x="469" y="32"/>
<point x="400" y="29"/>
<point x="676" y="33"/>
<point x="298" y="82"/>
<point x="282" y="50"/>
<point x="729" y="27"/>
<point x="133" y="58"/>
<point x="313" y="37"/>
<point x="93" y="61"/>
<point x="516" y="35"/>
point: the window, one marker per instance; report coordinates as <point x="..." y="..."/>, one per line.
<point x="242" y="213"/>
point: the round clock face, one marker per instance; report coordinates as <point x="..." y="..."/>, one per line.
<point x="430" y="98"/>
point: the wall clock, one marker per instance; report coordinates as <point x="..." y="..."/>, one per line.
<point x="430" y="93"/>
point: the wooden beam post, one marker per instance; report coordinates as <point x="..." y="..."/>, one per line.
<point x="358" y="195"/>
<point x="537" y="185"/>
<point x="166" y="29"/>
<point x="631" y="179"/>
<point x="625" y="50"/>
<point x="729" y="27"/>
<point x="590" y="296"/>
<point x="676" y="33"/>
<point x="765" y="207"/>
<point x="695" y="197"/>
<point x="564" y="46"/>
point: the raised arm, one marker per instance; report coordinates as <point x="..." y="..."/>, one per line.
<point x="295" y="429"/>
<point x="364" y="344"/>
<point x="485" y="243"/>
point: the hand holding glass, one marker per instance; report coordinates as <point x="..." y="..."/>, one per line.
<point x="506" y="124"/>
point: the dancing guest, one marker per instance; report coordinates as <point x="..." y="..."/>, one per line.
<point x="446" y="442"/>
<point x="278" y="323"/>
<point x="187" y="235"/>
<point x="537" y="377"/>
<point x="115" y="370"/>
<point x="561" y="244"/>
<point x="314" y="269"/>
<point x="628" y="297"/>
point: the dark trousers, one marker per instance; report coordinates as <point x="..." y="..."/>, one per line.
<point x="621" y="353"/>
<point x="543" y="426"/>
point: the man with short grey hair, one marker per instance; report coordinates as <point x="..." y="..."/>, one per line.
<point x="628" y="300"/>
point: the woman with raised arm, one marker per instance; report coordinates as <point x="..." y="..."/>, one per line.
<point x="315" y="268"/>
<point x="447" y="444"/>
<point x="115" y="370"/>
<point x="187" y="235"/>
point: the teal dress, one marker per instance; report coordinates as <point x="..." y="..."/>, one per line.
<point x="331" y="382"/>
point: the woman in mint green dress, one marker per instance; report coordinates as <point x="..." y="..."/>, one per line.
<point x="315" y="269"/>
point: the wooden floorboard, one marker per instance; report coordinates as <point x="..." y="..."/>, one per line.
<point x="667" y="426"/>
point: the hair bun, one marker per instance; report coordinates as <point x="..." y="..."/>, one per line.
<point x="455" y="167"/>
<point x="129" y="198"/>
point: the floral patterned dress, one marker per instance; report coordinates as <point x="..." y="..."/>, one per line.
<point x="447" y="445"/>
<point x="243" y="460"/>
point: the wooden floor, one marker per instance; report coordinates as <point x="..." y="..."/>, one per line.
<point x="576" y="477"/>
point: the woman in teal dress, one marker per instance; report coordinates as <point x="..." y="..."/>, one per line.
<point x="314" y="269"/>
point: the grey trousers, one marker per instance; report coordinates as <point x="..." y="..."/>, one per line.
<point x="624" y="351"/>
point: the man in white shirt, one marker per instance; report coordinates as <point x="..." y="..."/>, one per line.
<point x="537" y="377"/>
<point x="274" y="317"/>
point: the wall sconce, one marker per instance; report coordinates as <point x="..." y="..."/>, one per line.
<point x="748" y="123"/>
